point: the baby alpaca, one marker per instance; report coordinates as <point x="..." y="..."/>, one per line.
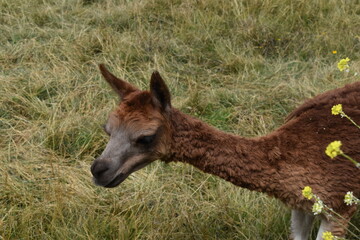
<point x="145" y="127"/>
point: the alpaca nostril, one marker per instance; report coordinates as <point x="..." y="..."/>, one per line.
<point x="98" y="168"/>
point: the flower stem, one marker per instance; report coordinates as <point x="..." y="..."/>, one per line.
<point x="339" y="217"/>
<point x="351" y="120"/>
<point x="357" y="164"/>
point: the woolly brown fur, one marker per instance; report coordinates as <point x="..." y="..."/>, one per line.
<point x="283" y="162"/>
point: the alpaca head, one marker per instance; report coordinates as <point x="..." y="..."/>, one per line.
<point x="138" y="130"/>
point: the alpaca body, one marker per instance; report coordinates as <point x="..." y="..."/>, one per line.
<point x="145" y="127"/>
<point x="282" y="162"/>
<point x="278" y="164"/>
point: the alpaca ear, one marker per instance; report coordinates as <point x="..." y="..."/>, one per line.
<point x="121" y="87"/>
<point x="160" y="92"/>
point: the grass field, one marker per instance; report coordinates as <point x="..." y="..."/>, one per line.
<point x="241" y="66"/>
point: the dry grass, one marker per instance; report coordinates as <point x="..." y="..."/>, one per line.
<point x="238" y="65"/>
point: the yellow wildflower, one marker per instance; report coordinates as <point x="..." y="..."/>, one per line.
<point x="334" y="52"/>
<point x="343" y="64"/>
<point x="327" y="236"/>
<point x="307" y="192"/>
<point x="336" y="109"/>
<point x="333" y="149"/>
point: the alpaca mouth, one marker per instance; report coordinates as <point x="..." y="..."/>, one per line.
<point x="117" y="180"/>
<point x="122" y="176"/>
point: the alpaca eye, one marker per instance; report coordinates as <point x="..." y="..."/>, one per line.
<point x="146" y="140"/>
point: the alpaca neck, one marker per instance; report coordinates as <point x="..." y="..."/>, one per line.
<point x="243" y="162"/>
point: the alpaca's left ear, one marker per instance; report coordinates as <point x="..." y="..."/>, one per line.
<point x="160" y="92"/>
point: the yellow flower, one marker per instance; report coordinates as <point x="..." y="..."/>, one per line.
<point x="307" y="192"/>
<point x="327" y="236"/>
<point x="334" y="52"/>
<point x="343" y="64"/>
<point x="336" y="109"/>
<point x="333" y="149"/>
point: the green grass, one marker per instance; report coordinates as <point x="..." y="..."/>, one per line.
<point x="241" y="66"/>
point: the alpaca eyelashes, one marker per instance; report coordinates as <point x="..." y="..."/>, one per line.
<point x="146" y="140"/>
<point x="143" y="140"/>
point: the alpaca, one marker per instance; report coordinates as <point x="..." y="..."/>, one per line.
<point x="145" y="127"/>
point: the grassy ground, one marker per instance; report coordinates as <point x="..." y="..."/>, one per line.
<point x="241" y="66"/>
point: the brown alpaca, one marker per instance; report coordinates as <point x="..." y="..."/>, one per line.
<point x="145" y="127"/>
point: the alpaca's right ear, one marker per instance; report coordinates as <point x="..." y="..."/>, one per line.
<point x="121" y="87"/>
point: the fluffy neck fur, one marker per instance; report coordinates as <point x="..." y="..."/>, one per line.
<point x="243" y="162"/>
